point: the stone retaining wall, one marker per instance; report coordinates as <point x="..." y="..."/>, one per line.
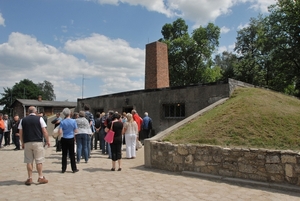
<point x="255" y="164"/>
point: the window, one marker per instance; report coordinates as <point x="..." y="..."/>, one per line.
<point x="174" y="110"/>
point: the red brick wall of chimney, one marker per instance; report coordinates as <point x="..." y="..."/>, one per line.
<point x="157" y="66"/>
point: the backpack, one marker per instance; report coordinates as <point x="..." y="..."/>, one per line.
<point x="89" y="116"/>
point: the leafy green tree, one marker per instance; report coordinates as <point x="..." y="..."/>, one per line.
<point x="26" y="89"/>
<point x="250" y="69"/>
<point x="268" y="50"/>
<point x="47" y="90"/>
<point x="227" y="62"/>
<point x="283" y="33"/>
<point x="189" y="56"/>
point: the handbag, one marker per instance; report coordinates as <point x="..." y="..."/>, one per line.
<point x="55" y="133"/>
<point x="109" y="138"/>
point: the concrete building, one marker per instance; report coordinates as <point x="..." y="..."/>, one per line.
<point x="165" y="105"/>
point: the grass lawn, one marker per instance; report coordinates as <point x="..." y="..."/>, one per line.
<point x="252" y="118"/>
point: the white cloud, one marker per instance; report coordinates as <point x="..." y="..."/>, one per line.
<point x="112" y="57"/>
<point x="24" y="57"/>
<point x="2" y="20"/>
<point x="229" y="48"/>
<point x="221" y="49"/>
<point x="224" y="29"/>
<point x="121" y="67"/>
<point x="262" y="5"/>
<point x="198" y="11"/>
<point x="242" y="26"/>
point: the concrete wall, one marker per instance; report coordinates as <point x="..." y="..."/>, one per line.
<point x="195" y="98"/>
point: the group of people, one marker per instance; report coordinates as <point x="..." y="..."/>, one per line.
<point x="9" y="131"/>
<point x="80" y="129"/>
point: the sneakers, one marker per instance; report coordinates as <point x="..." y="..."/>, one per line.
<point x="28" y="182"/>
<point x="42" y="180"/>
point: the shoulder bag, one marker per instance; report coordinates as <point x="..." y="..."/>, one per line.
<point x="110" y="135"/>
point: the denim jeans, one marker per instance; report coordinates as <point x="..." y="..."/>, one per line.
<point x="82" y="147"/>
<point x="89" y="145"/>
<point x="1" y="138"/>
<point x="108" y="149"/>
<point x="91" y="141"/>
<point x="102" y="141"/>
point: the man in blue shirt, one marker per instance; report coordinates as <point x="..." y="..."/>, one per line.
<point x="146" y="126"/>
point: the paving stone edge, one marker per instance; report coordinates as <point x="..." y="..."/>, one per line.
<point x="283" y="187"/>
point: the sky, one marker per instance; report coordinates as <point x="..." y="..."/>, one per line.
<point x="89" y="48"/>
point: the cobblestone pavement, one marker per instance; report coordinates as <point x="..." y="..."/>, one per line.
<point x="95" y="181"/>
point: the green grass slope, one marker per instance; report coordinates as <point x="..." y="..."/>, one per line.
<point x="252" y="118"/>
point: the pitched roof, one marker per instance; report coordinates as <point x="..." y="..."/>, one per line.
<point x="46" y="103"/>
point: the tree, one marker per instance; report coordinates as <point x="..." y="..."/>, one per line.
<point x="26" y="89"/>
<point x="227" y="62"/>
<point x="268" y="50"/>
<point x="47" y="90"/>
<point x="250" y="67"/>
<point x="283" y="33"/>
<point x="189" y="56"/>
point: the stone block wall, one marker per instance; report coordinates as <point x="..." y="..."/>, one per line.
<point x="254" y="164"/>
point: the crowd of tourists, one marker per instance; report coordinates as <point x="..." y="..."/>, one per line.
<point x="78" y="134"/>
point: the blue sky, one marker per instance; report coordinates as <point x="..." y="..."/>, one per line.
<point x="87" y="48"/>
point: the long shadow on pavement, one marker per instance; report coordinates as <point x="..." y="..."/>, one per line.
<point x="272" y="190"/>
<point x="11" y="183"/>
<point x="96" y="169"/>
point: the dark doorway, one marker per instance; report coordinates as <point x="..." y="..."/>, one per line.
<point x="99" y="110"/>
<point x="127" y="109"/>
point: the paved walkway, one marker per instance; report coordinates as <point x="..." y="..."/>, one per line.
<point x="95" y="181"/>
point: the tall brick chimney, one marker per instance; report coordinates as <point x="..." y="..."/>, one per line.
<point x="157" y="66"/>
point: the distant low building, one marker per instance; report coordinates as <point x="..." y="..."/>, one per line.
<point x="20" y="106"/>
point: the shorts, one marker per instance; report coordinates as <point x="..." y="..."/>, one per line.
<point x="34" y="151"/>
